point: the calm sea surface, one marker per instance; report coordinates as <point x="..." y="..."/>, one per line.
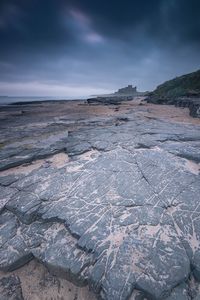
<point x="9" y="100"/>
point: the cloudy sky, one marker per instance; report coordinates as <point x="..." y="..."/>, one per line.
<point x="75" y="48"/>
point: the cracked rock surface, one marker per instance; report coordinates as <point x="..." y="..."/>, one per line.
<point x="107" y="198"/>
<point x="10" y="288"/>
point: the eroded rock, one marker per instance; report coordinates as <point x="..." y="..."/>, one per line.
<point x="121" y="215"/>
<point x="10" y="288"/>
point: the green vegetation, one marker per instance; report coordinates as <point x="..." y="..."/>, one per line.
<point x="186" y="85"/>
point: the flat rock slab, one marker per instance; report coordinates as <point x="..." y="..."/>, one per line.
<point x="121" y="215"/>
<point x="10" y="288"/>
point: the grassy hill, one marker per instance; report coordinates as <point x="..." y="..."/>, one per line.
<point x="186" y="85"/>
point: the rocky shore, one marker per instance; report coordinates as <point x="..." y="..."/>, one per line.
<point x="182" y="91"/>
<point x="192" y="103"/>
<point x="109" y="100"/>
<point x="102" y="200"/>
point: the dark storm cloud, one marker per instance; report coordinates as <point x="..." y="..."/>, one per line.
<point x="30" y="24"/>
<point x="90" y="45"/>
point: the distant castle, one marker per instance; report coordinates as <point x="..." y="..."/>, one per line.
<point x="128" y="90"/>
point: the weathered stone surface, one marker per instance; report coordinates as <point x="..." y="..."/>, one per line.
<point x="122" y="215"/>
<point x="180" y="292"/>
<point x="192" y="103"/>
<point x="10" y="288"/>
<point x="110" y="100"/>
<point x="194" y="108"/>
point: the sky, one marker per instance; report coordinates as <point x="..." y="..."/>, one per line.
<point x="76" y="48"/>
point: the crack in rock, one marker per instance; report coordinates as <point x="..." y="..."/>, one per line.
<point x="121" y="215"/>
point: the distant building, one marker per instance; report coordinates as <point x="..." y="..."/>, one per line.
<point x="128" y="90"/>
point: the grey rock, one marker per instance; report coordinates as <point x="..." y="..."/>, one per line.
<point x="180" y="292"/>
<point x="122" y="216"/>
<point x="10" y="288"/>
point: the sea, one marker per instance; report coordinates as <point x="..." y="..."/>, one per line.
<point x="5" y="100"/>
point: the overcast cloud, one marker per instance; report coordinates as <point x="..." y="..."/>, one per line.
<point x="82" y="47"/>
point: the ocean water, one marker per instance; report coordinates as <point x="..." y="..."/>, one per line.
<point x="4" y="100"/>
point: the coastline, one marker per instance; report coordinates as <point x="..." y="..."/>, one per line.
<point x="63" y="160"/>
<point x="33" y="100"/>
